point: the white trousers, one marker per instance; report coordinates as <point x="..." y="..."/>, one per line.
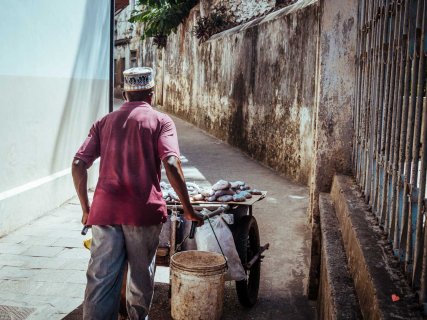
<point x="112" y="247"/>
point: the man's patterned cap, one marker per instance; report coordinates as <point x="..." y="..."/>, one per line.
<point x="137" y="79"/>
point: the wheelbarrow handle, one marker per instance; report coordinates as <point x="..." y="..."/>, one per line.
<point x="193" y="229"/>
<point x="85" y="230"/>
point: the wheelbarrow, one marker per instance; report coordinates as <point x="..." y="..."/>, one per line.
<point x="244" y="228"/>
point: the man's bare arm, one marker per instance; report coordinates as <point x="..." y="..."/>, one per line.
<point x="176" y="178"/>
<point x="79" y="173"/>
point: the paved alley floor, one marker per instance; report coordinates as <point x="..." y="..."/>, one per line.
<point x="42" y="265"/>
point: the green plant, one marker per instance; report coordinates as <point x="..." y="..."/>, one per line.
<point x="218" y="20"/>
<point x="161" y="17"/>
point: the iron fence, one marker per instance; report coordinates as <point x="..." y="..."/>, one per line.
<point x="390" y="123"/>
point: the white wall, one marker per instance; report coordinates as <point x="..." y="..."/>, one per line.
<point x="54" y="78"/>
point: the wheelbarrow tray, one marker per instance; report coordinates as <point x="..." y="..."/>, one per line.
<point x="247" y="202"/>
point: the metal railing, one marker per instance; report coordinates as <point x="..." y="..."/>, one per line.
<point x="390" y="123"/>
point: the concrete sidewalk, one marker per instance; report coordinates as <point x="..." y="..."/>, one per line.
<point x="42" y="266"/>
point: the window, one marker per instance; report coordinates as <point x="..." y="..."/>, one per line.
<point x="122" y="68"/>
<point x="115" y="29"/>
<point x="116" y="73"/>
<point x="133" y="59"/>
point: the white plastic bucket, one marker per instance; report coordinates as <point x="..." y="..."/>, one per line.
<point x="197" y="285"/>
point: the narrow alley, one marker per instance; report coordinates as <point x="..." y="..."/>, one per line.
<point x="318" y="106"/>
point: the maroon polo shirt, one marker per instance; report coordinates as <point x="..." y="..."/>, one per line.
<point x="131" y="142"/>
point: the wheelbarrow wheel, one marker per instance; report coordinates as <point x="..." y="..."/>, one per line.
<point x="247" y="245"/>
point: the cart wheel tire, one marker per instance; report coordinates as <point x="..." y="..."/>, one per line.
<point x="247" y="245"/>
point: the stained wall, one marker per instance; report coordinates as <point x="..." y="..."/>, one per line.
<point x="252" y="86"/>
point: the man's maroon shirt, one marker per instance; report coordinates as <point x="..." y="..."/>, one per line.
<point x="131" y="142"/>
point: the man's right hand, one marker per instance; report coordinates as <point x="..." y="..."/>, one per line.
<point x="79" y="172"/>
<point x="192" y="215"/>
<point x="175" y="175"/>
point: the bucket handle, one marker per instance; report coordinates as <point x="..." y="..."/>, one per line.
<point x="207" y="217"/>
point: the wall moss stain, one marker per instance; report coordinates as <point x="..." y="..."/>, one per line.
<point x="238" y="114"/>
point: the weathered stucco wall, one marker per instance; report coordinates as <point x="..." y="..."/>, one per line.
<point x="252" y="86"/>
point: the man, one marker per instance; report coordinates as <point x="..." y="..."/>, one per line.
<point x="128" y="209"/>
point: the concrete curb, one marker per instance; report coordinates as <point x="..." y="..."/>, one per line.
<point x="337" y="295"/>
<point x="373" y="277"/>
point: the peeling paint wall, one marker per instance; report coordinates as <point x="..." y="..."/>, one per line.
<point x="252" y="86"/>
<point x="334" y="116"/>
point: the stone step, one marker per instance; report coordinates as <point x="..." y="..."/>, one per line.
<point x="375" y="280"/>
<point x="337" y="296"/>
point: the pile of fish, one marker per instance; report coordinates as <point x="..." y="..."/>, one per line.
<point x="222" y="191"/>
